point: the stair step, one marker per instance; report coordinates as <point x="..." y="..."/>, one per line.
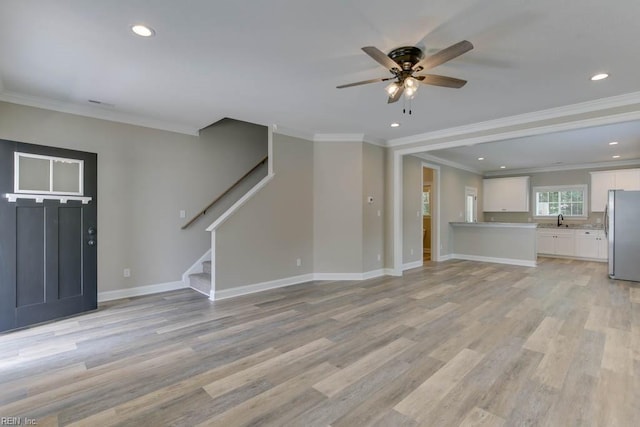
<point x="206" y="267"/>
<point x="201" y="282"/>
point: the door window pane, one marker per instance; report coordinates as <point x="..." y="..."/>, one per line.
<point x="34" y="174"/>
<point x="66" y="176"/>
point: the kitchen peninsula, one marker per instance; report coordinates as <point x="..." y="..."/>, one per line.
<point x="499" y="242"/>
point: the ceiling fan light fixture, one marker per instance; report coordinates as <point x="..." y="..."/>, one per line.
<point x="600" y="76"/>
<point x="392" y="89"/>
<point x="395" y="125"/>
<point x="410" y="87"/>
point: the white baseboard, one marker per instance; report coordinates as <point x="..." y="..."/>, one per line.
<point x="338" y="276"/>
<point x="295" y="280"/>
<point x="508" y="261"/>
<point x="373" y="274"/>
<point x="258" y="287"/>
<point x="411" y="265"/>
<point x="443" y="258"/>
<point x="196" y="267"/>
<point x="349" y="276"/>
<point x="392" y="272"/>
<point x="139" y="291"/>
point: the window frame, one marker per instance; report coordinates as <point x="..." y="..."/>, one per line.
<point x="562" y="188"/>
<point x="51" y="159"/>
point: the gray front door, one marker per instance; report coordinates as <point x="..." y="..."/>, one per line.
<point x="48" y="258"/>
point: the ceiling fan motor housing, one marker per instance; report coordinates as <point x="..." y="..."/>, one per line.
<point x="406" y="56"/>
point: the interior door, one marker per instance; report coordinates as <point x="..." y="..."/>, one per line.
<point x="48" y="238"/>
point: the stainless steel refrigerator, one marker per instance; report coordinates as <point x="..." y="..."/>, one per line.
<point x="622" y="228"/>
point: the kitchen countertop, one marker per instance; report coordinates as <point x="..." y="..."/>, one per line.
<point x="545" y="225"/>
<point x="496" y="224"/>
<point x="554" y="225"/>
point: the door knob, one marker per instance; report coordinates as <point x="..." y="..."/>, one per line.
<point x="91" y="242"/>
<point x="91" y="231"/>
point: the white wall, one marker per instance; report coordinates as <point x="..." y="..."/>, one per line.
<point x="145" y="177"/>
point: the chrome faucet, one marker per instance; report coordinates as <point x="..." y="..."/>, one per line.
<point x="560" y="219"/>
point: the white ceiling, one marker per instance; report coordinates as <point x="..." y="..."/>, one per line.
<point x="559" y="150"/>
<point x="278" y="61"/>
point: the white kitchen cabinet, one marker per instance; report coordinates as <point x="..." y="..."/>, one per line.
<point x="628" y="179"/>
<point x="506" y="194"/>
<point x="603" y="181"/>
<point x="591" y="244"/>
<point x="556" y="242"/>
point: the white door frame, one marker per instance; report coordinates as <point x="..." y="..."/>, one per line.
<point x="435" y="214"/>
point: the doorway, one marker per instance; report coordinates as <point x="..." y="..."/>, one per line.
<point x="427" y="212"/>
<point x="470" y="204"/>
<point x="48" y="239"/>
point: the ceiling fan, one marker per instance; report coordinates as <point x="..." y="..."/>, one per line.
<point x="404" y="61"/>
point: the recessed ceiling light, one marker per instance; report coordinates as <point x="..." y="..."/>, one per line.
<point x="143" y="30"/>
<point x="503" y="167"/>
<point x="616" y="156"/>
<point x="480" y="158"/>
<point x="395" y="125"/>
<point x="600" y="76"/>
<point x="613" y="143"/>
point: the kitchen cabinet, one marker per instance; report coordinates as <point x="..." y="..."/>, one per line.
<point x="591" y="244"/>
<point x="577" y="243"/>
<point x="506" y="194"/>
<point x="556" y="242"/>
<point x="603" y="181"/>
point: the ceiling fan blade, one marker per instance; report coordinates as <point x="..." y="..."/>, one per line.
<point x="444" y="81"/>
<point x="444" y="55"/>
<point x="396" y="96"/>
<point x="380" y="57"/>
<point x="364" y="82"/>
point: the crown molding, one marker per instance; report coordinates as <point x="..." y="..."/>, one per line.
<point x="597" y="165"/>
<point x="349" y="137"/>
<point x="521" y="119"/>
<point x="441" y="161"/>
<point x="338" y="137"/>
<point x="294" y="133"/>
<point x="96" y="113"/>
<point x="375" y="141"/>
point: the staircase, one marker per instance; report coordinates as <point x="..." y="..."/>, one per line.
<point x="201" y="282"/>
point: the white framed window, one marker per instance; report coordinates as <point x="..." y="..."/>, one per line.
<point x="47" y="175"/>
<point x="568" y="200"/>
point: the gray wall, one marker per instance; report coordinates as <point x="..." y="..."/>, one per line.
<point x="452" y="201"/>
<point x="263" y="239"/>
<point x="495" y="242"/>
<point x="539" y="179"/>
<point x="412" y="209"/>
<point x="373" y="225"/>
<point x="338" y="207"/>
<point x="145" y="177"/>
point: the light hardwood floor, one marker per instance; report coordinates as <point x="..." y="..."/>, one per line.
<point x="458" y="343"/>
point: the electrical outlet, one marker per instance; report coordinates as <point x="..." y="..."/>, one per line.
<point x="298" y="262"/>
<point x="379" y="212"/>
<point x="411" y="251"/>
<point x="379" y="257"/>
<point x="126" y="272"/>
<point x="183" y="214"/>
